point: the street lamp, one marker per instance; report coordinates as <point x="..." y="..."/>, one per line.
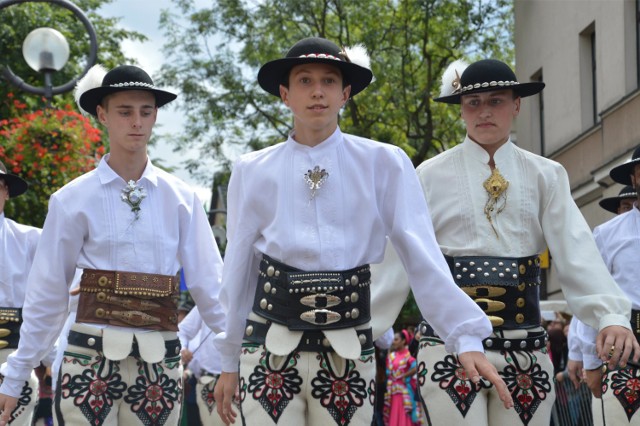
<point x="46" y="50"/>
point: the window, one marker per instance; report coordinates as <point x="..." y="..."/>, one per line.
<point x="588" y="77"/>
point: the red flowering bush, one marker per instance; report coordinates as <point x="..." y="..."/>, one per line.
<point x="47" y="148"/>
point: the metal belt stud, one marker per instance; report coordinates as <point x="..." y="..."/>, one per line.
<point x="267" y="287"/>
<point x="249" y="330"/>
<point x="520" y="302"/>
<point x="363" y="339"/>
<point x="103" y="281"/>
<point x="4" y="332"/>
<point x="3" y="344"/>
<point x="519" y="318"/>
<point x="271" y="270"/>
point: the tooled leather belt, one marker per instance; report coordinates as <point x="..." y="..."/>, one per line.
<point x="507" y="289"/>
<point x="129" y="299"/>
<point x="10" y="322"/>
<point x="304" y="300"/>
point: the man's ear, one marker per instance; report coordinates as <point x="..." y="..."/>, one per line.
<point x="284" y="94"/>
<point x="101" y="114"/>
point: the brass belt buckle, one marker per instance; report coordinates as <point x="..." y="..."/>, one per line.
<point x="320" y="317"/>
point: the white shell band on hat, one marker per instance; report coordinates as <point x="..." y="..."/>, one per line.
<point x="485" y="84"/>
<point x="133" y="84"/>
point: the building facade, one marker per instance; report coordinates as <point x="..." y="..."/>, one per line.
<point x="588" y="116"/>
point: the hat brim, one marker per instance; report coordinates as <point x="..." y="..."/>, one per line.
<point x="90" y="99"/>
<point x="273" y="73"/>
<point x="17" y="185"/>
<point x="622" y="173"/>
<point x="521" y="90"/>
<point x="611" y="204"/>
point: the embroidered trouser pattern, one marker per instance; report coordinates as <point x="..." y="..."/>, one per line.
<point x="28" y="399"/>
<point x="620" y="397"/>
<point x="94" y="390"/>
<point x="451" y="398"/>
<point x="312" y="388"/>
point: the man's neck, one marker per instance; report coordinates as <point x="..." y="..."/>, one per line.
<point x="312" y="137"/>
<point x="491" y="149"/>
<point x="128" y="167"/>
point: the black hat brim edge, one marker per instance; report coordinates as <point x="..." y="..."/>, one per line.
<point x="272" y="73"/>
<point x="521" y="90"/>
<point x="622" y="173"/>
<point x="611" y="204"/>
<point x="17" y="185"/>
<point x="90" y="99"/>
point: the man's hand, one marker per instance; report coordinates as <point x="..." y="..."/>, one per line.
<point x="7" y="405"/>
<point x="186" y="355"/>
<point x="574" y="370"/>
<point x="594" y="381"/>
<point x="223" y="394"/>
<point x="614" y="345"/>
<point x="476" y="365"/>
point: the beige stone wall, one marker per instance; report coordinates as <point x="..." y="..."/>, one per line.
<point x="552" y="38"/>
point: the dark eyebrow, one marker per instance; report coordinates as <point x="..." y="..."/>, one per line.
<point x="124" y="106"/>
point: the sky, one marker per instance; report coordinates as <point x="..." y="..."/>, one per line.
<point x="144" y="16"/>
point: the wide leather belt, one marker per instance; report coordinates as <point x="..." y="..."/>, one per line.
<point x="507" y="289"/>
<point x="172" y="347"/>
<point x="10" y="322"/>
<point x="312" y="300"/>
<point x="129" y="299"/>
<point x="533" y="341"/>
<point x="312" y="341"/>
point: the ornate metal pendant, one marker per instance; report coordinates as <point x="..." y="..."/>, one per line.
<point x="496" y="186"/>
<point x="133" y="195"/>
<point x="315" y="178"/>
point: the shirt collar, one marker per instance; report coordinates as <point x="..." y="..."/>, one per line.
<point x="332" y="141"/>
<point x="107" y="175"/>
<point x="478" y="153"/>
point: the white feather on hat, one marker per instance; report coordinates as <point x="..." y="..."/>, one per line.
<point x="451" y="77"/>
<point x="358" y="55"/>
<point x="92" y="79"/>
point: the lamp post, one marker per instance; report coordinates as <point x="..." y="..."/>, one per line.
<point x="47" y="51"/>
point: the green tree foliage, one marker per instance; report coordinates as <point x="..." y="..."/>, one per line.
<point x="48" y="148"/>
<point x="213" y="55"/>
<point x="18" y="20"/>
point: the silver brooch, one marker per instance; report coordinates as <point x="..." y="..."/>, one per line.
<point x="315" y="178"/>
<point x="133" y="196"/>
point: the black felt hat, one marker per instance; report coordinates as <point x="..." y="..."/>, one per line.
<point x="622" y="173"/>
<point x="315" y="49"/>
<point x="612" y="203"/>
<point x="124" y="77"/>
<point x="16" y="184"/>
<point x="483" y="76"/>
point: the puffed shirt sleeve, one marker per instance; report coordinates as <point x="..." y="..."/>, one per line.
<point x="573" y="341"/>
<point x="47" y="295"/>
<point x="585" y="337"/>
<point x="453" y="315"/>
<point x="201" y="262"/>
<point x="238" y="288"/>
<point x="189" y="327"/>
<point x="589" y="289"/>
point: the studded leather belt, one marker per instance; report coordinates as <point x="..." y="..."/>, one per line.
<point x="10" y="322"/>
<point x="129" y="299"/>
<point x="635" y="323"/>
<point x="312" y="340"/>
<point x="507" y="289"/>
<point x="312" y="300"/>
<point x="533" y="341"/>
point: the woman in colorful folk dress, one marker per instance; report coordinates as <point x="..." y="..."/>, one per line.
<point x="400" y="407"/>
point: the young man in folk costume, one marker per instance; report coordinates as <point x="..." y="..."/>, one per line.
<point x="516" y="204"/>
<point x="619" y="243"/>
<point x="130" y="227"/>
<point x="19" y="243"/>
<point x="306" y="217"/>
